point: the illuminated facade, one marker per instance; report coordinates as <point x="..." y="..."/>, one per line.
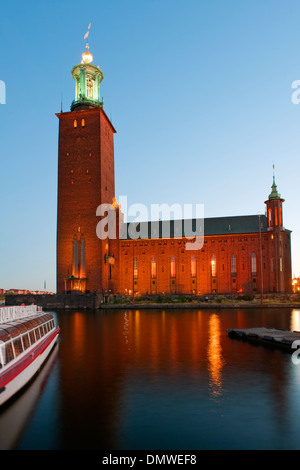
<point x="85" y="180"/>
<point x="245" y="254"/>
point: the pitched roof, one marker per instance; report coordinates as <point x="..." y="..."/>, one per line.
<point x="190" y="227"/>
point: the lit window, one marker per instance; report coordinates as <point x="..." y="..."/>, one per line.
<point x="153" y="268"/>
<point x="213" y="263"/>
<point x="270" y="217"/>
<point x="276" y="216"/>
<point x="233" y="264"/>
<point x="135" y="268"/>
<point x="173" y="267"/>
<point x="82" y="122"/>
<point x="280" y="216"/>
<point x="253" y="263"/>
<point x="193" y="266"/>
<point x="75" y="123"/>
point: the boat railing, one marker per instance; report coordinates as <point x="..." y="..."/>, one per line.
<point x="18" y="311"/>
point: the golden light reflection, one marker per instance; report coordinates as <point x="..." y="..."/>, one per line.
<point x="295" y="320"/>
<point x="126" y="330"/>
<point x="214" y="352"/>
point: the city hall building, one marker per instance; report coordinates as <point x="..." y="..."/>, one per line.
<point x="240" y="254"/>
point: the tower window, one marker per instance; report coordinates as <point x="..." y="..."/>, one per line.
<point x="270" y="217"/>
<point x="82" y="122"/>
<point x="173" y="268"/>
<point x="213" y="263"/>
<point x="233" y="265"/>
<point x="153" y="268"/>
<point x="253" y="264"/>
<point x="276" y="216"/>
<point x="75" y="123"/>
<point x="135" y="268"/>
<point x="193" y="266"/>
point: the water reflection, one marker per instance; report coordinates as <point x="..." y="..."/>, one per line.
<point x="155" y="379"/>
<point x="295" y="320"/>
<point x="214" y="353"/>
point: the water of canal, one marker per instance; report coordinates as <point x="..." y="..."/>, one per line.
<point x="160" y="379"/>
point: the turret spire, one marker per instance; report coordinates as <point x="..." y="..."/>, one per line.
<point x="274" y="194"/>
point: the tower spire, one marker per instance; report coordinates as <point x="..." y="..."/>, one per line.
<point x="87" y="57"/>
<point x="274" y="193"/>
<point x="87" y="81"/>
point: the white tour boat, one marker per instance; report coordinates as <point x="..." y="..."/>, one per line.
<point x="27" y="336"/>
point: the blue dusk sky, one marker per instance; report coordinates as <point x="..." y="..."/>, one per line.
<point x="200" y="93"/>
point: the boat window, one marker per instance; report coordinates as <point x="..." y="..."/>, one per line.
<point x="32" y="337"/>
<point x="26" y="341"/>
<point x="18" y="346"/>
<point x="9" y="354"/>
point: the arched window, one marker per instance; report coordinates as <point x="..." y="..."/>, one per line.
<point x="213" y="263"/>
<point x="75" y="123"/>
<point x="82" y="257"/>
<point x="173" y="267"/>
<point x="233" y="264"/>
<point x="276" y="216"/>
<point x="193" y="266"/>
<point x="270" y="217"/>
<point x="75" y="257"/>
<point x="135" y="268"/>
<point x="253" y="263"/>
<point x="82" y="122"/>
<point x="153" y="268"/>
<point x="280" y="216"/>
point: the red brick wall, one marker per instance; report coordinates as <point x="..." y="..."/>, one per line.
<point x="85" y="180"/>
<point x="223" y="247"/>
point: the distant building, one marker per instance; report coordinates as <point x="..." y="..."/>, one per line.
<point x="245" y="254"/>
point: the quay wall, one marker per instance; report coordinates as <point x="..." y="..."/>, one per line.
<point x="57" y="301"/>
<point x="95" y="301"/>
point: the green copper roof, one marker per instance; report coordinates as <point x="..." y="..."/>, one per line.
<point x="274" y="194"/>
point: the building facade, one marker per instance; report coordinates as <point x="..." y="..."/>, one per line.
<point x="241" y="254"/>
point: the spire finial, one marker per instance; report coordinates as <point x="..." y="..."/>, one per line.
<point x="274" y="194"/>
<point x="87" y="33"/>
<point x="87" y="56"/>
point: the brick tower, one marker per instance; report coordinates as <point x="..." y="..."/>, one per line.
<point x="280" y="247"/>
<point x="85" y="180"/>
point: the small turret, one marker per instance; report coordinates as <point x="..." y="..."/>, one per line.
<point x="274" y="207"/>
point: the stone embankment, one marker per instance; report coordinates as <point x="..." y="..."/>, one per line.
<point x="96" y="301"/>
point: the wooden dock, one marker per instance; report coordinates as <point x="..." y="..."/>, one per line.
<point x="283" y="339"/>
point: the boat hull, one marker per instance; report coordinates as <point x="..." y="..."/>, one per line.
<point x="14" y="378"/>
